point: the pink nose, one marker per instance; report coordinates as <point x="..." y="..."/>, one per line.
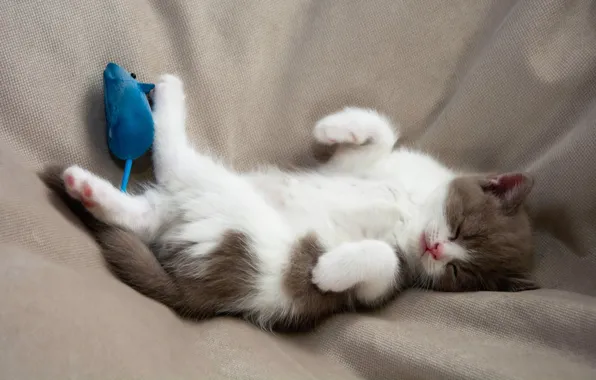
<point x="436" y="250"/>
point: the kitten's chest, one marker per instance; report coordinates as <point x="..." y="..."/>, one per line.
<point x="337" y="208"/>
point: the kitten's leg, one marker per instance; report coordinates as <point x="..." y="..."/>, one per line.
<point x="363" y="137"/>
<point x="371" y="266"/>
<point x="177" y="165"/>
<point x="214" y="198"/>
<point x="138" y="213"/>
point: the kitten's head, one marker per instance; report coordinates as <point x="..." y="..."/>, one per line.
<point x="477" y="235"/>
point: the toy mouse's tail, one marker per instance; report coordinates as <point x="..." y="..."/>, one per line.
<point x="126" y="174"/>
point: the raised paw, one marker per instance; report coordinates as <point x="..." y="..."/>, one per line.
<point x="92" y="191"/>
<point x="169" y="82"/>
<point x="355" y="126"/>
<point x="168" y="104"/>
<point x="168" y="91"/>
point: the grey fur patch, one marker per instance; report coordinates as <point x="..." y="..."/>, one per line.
<point x="310" y="304"/>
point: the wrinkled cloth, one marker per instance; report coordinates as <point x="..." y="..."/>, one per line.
<point x="485" y="85"/>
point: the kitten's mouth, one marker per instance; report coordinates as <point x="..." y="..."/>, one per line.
<point x="423" y="245"/>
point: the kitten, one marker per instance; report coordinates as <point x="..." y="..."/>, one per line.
<point x="285" y="249"/>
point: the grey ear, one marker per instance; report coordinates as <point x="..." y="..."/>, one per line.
<point x="511" y="189"/>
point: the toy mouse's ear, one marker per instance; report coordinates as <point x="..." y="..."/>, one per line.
<point x="146" y="87"/>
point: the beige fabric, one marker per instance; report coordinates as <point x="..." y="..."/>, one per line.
<point x="485" y="84"/>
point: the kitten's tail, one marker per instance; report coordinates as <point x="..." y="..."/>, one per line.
<point x="126" y="255"/>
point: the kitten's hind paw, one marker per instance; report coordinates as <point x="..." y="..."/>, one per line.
<point x="93" y="192"/>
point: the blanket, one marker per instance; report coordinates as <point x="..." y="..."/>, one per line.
<point x="484" y="85"/>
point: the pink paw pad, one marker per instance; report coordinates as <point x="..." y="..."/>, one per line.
<point x="88" y="203"/>
<point x="70" y="181"/>
<point x="87" y="194"/>
<point x="87" y="191"/>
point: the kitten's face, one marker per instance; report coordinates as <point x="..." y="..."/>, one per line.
<point x="477" y="236"/>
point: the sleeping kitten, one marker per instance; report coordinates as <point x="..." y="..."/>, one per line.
<point x="285" y="249"/>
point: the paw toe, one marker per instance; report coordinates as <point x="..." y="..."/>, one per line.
<point x="88" y="203"/>
<point x="69" y="180"/>
<point x="87" y="191"/>
<point x="71" y="177"/>
<point x="77" y="185"/>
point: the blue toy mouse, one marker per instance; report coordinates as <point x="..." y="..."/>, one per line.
<point x="129" y="120"/>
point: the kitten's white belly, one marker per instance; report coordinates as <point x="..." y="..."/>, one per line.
<point x="338" y="209"/>
<point x="347" y="208"/>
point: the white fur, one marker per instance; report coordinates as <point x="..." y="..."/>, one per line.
<point x="370" y="264"/>
<point x="365" y="201"/>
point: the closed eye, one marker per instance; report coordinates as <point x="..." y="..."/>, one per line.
<point x="453" y="268"/>
<point x="470" y="237"/>
<point x="456" y="235"/>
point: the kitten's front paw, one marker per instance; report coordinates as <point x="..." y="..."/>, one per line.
<point x="331" y="274"/>
<point x="84" y="186"/>
<point x="353" y="126"/>
<point x="168" y="91"/>
<point x="370" y="263"/>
